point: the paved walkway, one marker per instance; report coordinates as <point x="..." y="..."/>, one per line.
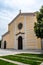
<point x="41" y="63"/>
<point x="15" y="62"/>
<point x="4" y="52"/>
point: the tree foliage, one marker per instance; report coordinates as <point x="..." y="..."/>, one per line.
<point x="38" y="26"/>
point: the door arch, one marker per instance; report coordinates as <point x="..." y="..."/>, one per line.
<point x="4" y="44"/>
<point x="20" y="43"/>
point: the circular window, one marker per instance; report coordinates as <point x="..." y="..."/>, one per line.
<point x="20" y="26"/>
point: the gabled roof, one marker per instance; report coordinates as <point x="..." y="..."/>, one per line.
<point x="24" y="14"/>
<point x="30" y="14"/>
<point x="5" y="33"/>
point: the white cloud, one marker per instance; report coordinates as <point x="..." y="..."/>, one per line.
<point x="19" y="2"/>
<point x="24" y="5"/>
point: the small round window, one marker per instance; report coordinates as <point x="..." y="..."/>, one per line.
<point x="20" y="26"/>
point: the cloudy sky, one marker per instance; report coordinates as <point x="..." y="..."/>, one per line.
<point x="10" y="8"/>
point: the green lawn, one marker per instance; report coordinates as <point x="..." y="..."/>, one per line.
<point x="32" y="55"/>
<point x="33" y="59"/>
<point x="6" y="63"/>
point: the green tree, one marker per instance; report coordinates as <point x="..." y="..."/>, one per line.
<point x="38" y="26"/>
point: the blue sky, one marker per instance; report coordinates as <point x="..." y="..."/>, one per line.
<point x="10" y="8"/>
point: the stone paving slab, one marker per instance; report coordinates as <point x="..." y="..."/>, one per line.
<point x="4" y="52"/>
<point x="41" y="63"/>
<point x="15" y="62"/>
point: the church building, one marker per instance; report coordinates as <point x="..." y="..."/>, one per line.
<point x="21" y="35"/>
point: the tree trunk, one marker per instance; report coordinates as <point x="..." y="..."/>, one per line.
<point x="41" y="43"/>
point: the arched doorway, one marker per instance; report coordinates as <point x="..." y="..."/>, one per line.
<point x="4" y="44"/>
<point x="20" y="42"/>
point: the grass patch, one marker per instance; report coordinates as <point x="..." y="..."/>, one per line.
<point x="33" y="59"/>
<point x="32" y="55"/>
<point x="6" y="63"/>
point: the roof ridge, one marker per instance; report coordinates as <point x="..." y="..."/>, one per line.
<point x="14" y="18"/>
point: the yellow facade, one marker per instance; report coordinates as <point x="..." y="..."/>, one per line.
<point x="29" y="39"/>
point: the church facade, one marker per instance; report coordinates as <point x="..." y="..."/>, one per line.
<point x="21" y="35"/>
